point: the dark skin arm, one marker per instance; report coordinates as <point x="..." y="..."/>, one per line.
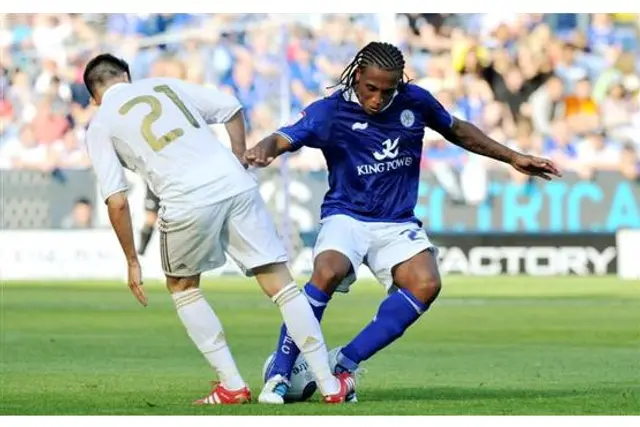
<point x="267" y="150"/>
<point x="469" y="137"/>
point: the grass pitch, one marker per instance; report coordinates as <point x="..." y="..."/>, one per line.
<point x="507" y="345"/>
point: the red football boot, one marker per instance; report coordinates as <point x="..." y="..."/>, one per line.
<point x="347" y="386"/>
<point x="221" y="396"/>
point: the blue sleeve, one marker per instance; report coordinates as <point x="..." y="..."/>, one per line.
<point x="311" y="128"/>
<point x="434" y="114"/>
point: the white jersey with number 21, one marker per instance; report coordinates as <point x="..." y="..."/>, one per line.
<point x="159" y="128"/>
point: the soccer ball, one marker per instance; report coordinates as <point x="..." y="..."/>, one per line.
<point x="303" y="383"/>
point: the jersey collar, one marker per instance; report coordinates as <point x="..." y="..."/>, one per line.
<point x="350" y="96"/>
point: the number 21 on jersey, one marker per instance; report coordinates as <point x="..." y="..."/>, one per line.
<point x="157" y="143"/>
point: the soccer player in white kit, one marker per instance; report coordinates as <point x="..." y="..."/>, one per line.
<point x="209" y="204"/>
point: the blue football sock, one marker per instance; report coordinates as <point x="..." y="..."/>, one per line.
<point x="396" y="313"/>
<point x="287" y="351"/>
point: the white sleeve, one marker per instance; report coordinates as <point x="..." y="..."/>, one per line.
<point x="213" y="104"/>
<point x="107" y="167"/>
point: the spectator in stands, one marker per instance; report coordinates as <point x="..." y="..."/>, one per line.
<point x="48" y="81"/>
<point x="20" y="93"/>
<point x="568" y="68"/>
<point x="50" y="32"/>
<point x="332" y="50"/>
<point x="601" y="33"/>
<point x="476" y="97"/>
<point x="194" y="55"/>
<point x="561" y="146"/>
<point x="265" y="56"/>
<point x="262" y="121"/>
<point x="446" y="162"/>
<point x="617" y="111"/>
<point x="68" y="153"/>
<point x="242" y="84"/>
<point x="81" y="215"/>
<point x="496" y="116"/>
<point x="7" y="122"/>
<point x="509" y="82"/>
<point x="49" y="124"/>
<point x="630" y="162"/>
<point x="580" y="109"/>
<point x="527" y="142"/>
<point x="305" y="77"/>
<point x="26" y="152"/>
<point x="546" y="105"/>
<point x="597" y="154"/>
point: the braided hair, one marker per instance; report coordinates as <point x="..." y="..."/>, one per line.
<point x="377" y="54"/>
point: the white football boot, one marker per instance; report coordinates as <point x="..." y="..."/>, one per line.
<point x="274" y="390"/>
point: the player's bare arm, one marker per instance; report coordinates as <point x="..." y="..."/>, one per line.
<point x="469" y="137"/>
<point x="237" y="136"/>
<point x="267" y="150"/>
<point x="120" y="217"/>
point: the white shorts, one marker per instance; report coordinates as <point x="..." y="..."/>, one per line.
<point x="379" y="245"/>
<point x="239" y="226"/>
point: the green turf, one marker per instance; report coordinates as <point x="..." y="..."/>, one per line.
<point x="489" y="346"/>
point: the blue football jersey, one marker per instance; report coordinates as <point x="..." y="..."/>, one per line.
<point x="373" y="160"/>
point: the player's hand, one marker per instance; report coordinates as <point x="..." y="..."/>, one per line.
<point x="258" y="156"/>
<point x="536" y="166"/>
<point x="135" y="283"/>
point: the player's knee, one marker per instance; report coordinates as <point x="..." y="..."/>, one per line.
<point x="326" y="277"/>
<point x="426" y="286"/>
<point x="329" y="269"/>
<point x="181" y="284"/>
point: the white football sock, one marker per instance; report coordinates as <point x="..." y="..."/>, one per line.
<point x="306" y="333"/>
<point x="205" y="330"/>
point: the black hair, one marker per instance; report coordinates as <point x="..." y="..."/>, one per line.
<point x="103" y="68"/>
<point x="377" y="54"/>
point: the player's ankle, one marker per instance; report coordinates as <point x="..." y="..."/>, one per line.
<point x="233" y="382"/>
<point x="344" y="364"/>
<point x="234" y="389"/>
<point x="329" y="386"/>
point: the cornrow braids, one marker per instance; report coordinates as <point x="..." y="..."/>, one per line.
<point x="378" y="54"/>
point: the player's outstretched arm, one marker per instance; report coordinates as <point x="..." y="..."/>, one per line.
<point x="469" y="137"/>
<point x="267" y="150"/>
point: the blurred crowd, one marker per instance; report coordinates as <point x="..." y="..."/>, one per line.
<point x="559" y="85"/>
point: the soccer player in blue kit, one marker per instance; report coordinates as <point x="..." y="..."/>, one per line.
<point x="370" y="132"/>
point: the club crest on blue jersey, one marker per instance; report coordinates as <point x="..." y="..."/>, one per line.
<point x="407" y="118"/>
